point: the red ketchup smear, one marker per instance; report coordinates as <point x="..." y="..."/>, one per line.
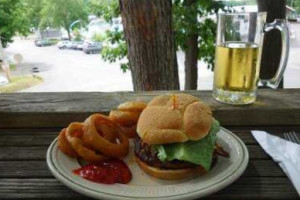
<point x="107" y="172"/>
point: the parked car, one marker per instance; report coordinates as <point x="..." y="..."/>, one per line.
<point x="292" y="32"/>
<point x="92" y="47"/>
<point x="43" y="42"/>
<point x="62" y="44"/>
<point x="71" y="45"/>
<point x="79" y="45"/>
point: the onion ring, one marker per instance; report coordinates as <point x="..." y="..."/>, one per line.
<point x="107" y="132"/>
<point x="74" y="134"/>
<point x="125" y="118"/>
<point x="134" y="106"/>
<point x="116" y="149"/>
<point x="64" y="145"/>
<point x="129" y="131"/>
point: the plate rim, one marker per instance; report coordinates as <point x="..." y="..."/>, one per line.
<point x="193" y="194"/>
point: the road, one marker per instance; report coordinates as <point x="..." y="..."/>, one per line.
<point x="292" y="74"/>
<point x="71" y="70"/>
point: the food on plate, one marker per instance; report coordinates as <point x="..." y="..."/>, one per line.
<point x="64" y="145"/>
<point x="74" y="135"/>
<point x="100" y="142"/>
<point x="176" y="137"/>
<point x="107" y="172"/>
<point x="117" y="148"/>
<point x="97" y="139"/>
<point x="127" y="116"/>
<point x="219" y="150"/>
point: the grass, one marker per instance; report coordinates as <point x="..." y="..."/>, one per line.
<point x="20" y="83"/>
<point x="12" y="67"/>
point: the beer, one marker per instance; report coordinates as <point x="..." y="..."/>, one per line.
<point x="239" y="44"/>
<point x="236" y="69"/>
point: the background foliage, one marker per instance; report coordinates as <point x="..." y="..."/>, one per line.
<point x="61" y="13"/>
<point x="13" y="20"/>
<point x="22" y="16"/>
<point x="114" y="48"/>
<point x="204" y="26"/>
<point x="182" y="24"/>
<point x="295" y="4"/>
<point x="105" y="8"/>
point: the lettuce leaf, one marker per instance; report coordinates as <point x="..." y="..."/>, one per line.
<point x="197" y="152"/>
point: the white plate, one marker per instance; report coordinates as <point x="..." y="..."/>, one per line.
<point x="143" y="186"/>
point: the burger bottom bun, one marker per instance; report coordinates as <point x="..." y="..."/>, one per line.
<point x="170" y="174"/>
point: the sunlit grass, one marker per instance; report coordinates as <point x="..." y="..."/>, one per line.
<point x="12" y="67"/>
<point x="20" y="83"/>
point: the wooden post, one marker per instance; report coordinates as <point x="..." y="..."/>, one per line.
<point x="5" y="66"/>
<point x="192" y="50"/>
<point x="272" y="41"/>
<point x="150" y="41"/>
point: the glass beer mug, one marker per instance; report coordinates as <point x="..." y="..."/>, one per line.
<point x="238" y="56"/>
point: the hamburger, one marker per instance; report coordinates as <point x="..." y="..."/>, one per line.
<point x="176" y="137"/>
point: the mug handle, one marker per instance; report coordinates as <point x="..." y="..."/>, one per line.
<point x="282" y="26"/>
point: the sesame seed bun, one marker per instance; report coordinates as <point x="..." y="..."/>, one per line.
<point x="174" y="118"/>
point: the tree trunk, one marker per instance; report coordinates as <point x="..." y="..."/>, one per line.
<point x="191" y="51"/>
<point x="3" y="62"/>
<point x="272" y="41"/>
<point x="69" y="34"/>
<point x="150" y="41"/>
<point x="191" y="63"/>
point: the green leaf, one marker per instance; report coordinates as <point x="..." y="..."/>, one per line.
<point x="198" y="152"/>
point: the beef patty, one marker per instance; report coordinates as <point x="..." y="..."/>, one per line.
<point x="147" y="154"/>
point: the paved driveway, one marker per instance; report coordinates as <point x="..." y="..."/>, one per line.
<point x="71" y="70"/>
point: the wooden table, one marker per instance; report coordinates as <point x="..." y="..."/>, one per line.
<point x="30" y="122"/>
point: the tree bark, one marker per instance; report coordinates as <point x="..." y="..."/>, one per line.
<point x="150" y="42"/>
<point x="69" y="33"/>
<point x="191" y="53"/>
<point x="272" y="41"/>
<point x="191" y="63"/>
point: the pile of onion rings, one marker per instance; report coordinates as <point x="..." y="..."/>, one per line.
<point x="97" y="139"/>
<point x="127" y="115"/>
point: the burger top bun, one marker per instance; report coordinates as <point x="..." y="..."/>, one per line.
<point x="134" y="106"/>
<point x="174" y="118"/>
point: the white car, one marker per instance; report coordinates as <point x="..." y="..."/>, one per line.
<point x="3" y="81"/>
<point x="293" y="34"/>
<point x="70" y="45"/>
<point x="79" y="45"/>
<point x="62" y="44"/>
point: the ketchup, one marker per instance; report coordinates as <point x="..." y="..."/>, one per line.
<point x="107" y="172"/>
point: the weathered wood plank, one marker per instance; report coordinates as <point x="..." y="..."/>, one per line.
<point x="258" y="188"/>
<point x="14" y="137"/>
<point x="23" y="153"/>
<point x="39" y="152"/>
<point x="270" y="129"/>
<point x="244" y="188"/>
<point x="40" y="137"/>
<point x="29" y="131"/>
<point x="27" y="140"/>
<point x="263" y="168"/>
<point x="24" y="169"/>
<point x="36" y="189"/>
<point x="39" y="169"/>
<point x="59" y="109"/>
<point x="235" y="129"/>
